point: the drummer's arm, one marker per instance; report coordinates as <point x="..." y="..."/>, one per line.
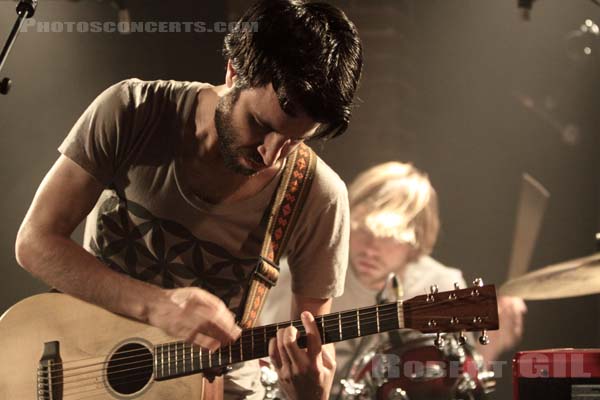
<point x="511" y="312"/>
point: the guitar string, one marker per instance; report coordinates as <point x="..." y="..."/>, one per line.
<point x="185" y="348"/>
<point x="350" y="313"/>
<point x="168" y="364"/>
<point x="126" y="378"/>
<point x="246" y="334"/>
<point x="383" y="313"/>
<point x="256" y="331"/>
<point x="214" y="354"/>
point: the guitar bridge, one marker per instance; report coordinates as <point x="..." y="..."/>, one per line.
<point x="50" y="373"/>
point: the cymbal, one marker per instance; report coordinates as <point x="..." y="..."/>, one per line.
<point x="567" y="279"/>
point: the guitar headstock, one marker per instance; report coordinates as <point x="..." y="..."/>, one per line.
<point x="471" y="309"/>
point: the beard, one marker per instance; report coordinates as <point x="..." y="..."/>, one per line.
<point x="227" y="136"/>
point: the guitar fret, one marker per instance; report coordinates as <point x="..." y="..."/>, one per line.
<point x="156" y="359"/>
<point x="162" y="359"/>
<point x="241" y="348"/>
<point x="323" y="337"/>
<point x="230" y="362"/>
<point x="358" y="322"/>
<point x="210" y="359"/>
<point x="399" y="311"/>
<point x="200" y="357"/>
<point x="176" y="359"/>
<point x="169" y="358"/>
<point x="340" y="325"/>
<point x="377" y="318"/>
<point x="184" y="360"/>
<point x="220" y="351"/>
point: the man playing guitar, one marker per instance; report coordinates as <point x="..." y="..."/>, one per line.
<point x="175" y="177"/>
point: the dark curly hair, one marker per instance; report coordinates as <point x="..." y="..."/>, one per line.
<point x="310" y="52"/>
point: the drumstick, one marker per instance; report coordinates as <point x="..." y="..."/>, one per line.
<point x="530" y="212"/>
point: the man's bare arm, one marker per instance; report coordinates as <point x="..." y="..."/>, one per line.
<point x="45" y="249"/>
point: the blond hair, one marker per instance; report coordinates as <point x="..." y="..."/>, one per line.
<point x="396" y="200"/>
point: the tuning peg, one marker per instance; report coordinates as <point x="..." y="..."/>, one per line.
<point x="462" y="339"/>
<point x="432" y="290"/>
<point x="477" y="282"/>
<point x="484" y="338"/>
<point x="439" y="341"/>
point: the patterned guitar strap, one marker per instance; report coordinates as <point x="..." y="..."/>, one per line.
<point x="287" y="203"/>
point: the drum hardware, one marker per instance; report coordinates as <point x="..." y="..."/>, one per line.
<point x="465" y="384"/>
<point x="439" y="341"/>
<point x="451" y="372"/>
<point x="269" y="380"/>
<point x="352" y="388"/>
<point x="430" y="371"/>
<point x="398" y="394"/>
<point x="487" y="381"/>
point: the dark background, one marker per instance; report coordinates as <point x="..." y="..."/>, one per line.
<point x="445" y="87"/>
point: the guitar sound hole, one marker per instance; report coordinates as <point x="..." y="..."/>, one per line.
<point x="129" y="368"/>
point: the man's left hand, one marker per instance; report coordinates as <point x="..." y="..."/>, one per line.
<point x="303" y="373"/>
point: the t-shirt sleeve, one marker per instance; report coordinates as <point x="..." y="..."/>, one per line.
<point x="318" y="251"/>
<point x="102" y="137"/>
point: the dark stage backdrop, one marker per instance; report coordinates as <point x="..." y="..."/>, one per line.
<point x="464" y="89"/>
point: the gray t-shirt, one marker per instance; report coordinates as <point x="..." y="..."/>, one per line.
<point x="148" y="223"/>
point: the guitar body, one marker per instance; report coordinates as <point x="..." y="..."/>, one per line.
<point x="87" y="333"/>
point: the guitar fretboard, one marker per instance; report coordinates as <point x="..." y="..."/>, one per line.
<point x="177" y="359"/>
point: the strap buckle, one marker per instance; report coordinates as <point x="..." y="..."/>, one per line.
<point x="257" y="271"/>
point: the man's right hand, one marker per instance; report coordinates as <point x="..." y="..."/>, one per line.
<point x="196" y="315"/>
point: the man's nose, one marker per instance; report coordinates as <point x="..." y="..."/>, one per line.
<point x="370" y="245"/>
<point x="272" y="147"/>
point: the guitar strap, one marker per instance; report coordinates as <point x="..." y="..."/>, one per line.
<point x="286" y="205"/>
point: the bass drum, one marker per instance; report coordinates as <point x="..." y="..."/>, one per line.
<point x="418" y="370"/>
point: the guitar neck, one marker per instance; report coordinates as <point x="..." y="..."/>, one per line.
<point x="468" y="309"/>
<point x="177" y="359"/>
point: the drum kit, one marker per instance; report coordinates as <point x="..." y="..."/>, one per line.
<point x="453" y="371"/>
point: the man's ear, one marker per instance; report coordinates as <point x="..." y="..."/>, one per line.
<point x="230" y="75"/>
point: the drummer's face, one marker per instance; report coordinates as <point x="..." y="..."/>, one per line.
<point x="372" y="258"/>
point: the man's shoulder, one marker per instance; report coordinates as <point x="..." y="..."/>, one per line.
<point x="137" y="91"/>
<point x="327" y="183"/>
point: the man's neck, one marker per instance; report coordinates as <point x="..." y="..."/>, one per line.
<point x="204" y="167"/>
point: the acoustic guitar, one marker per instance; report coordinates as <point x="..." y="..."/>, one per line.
<point x="56" y="347"/>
